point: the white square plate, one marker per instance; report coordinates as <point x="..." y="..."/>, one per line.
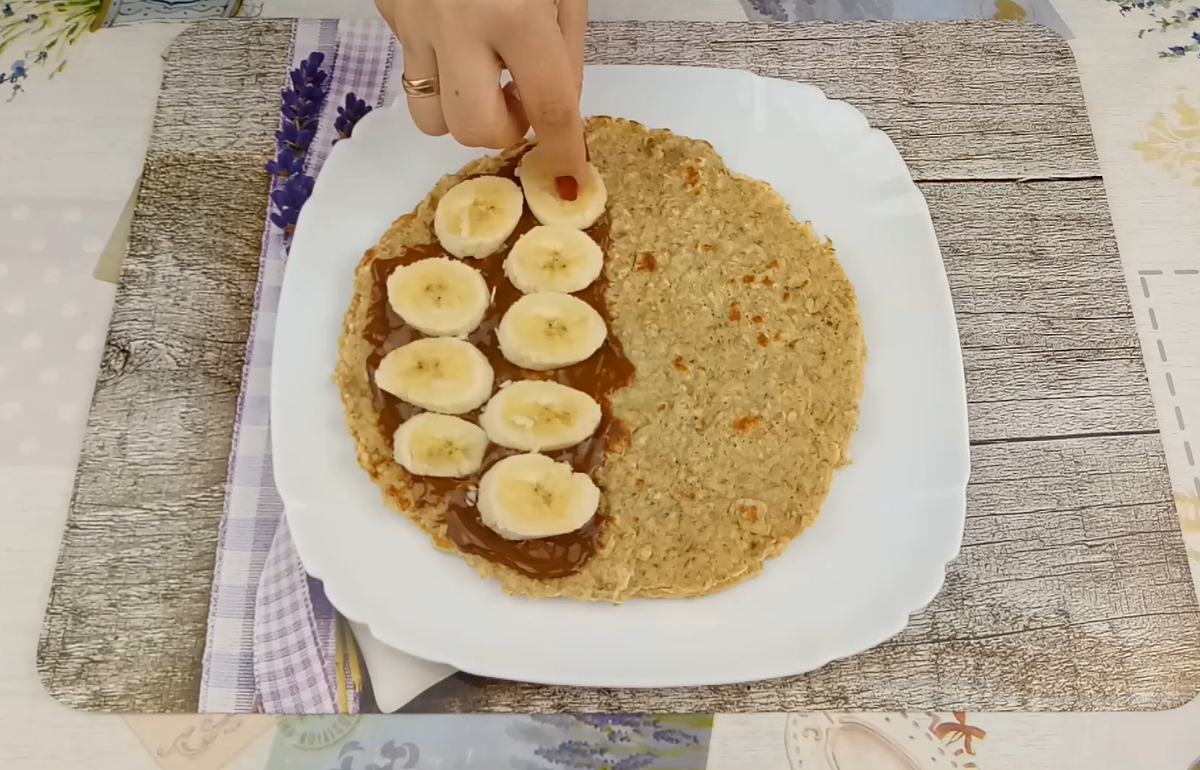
<point x="893" y="519"/>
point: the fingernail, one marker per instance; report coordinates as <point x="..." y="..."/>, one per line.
<point x="567" y="187"/>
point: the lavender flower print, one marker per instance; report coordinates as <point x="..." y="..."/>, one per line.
<point x="613" y="742"/>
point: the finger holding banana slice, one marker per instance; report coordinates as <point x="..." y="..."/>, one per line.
<point x="530" y="496"/>
<point x="544" y="194"/>
<point x="550" y="330"/>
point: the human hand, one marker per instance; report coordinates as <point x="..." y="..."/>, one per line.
<point x="465" y="44"/>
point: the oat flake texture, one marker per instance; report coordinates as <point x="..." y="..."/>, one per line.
<point x="749" y="359"/>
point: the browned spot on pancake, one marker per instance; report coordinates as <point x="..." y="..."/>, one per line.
<point x="647" y="263"/>
<point x="773" y="264"/>
<point x="693" y="176"/>
<point x="640" y="482"/>
<point x="778" y="336"/>
<point x="768" y="282"/>
<point x="735" y="313"/>
<point x="706" y="247"/>
<point x="749" y="513"/>
<point x="679" y="364"/>
<point x="757" y="319"/>
<point x="786" y="296"/>
<point x="743" y="424"/>
<point x="688" y="495"/>
<point x="762" y="339"/>
<point x="618" y="437"/>
<point x="747" y="279"/>
<point x="662" y="407"/>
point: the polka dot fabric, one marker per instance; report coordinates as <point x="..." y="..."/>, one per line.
<point x="53" y="320"/>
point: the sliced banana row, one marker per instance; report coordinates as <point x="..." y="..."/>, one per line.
<point x="549" y="330"/>
<point x="526" y="496"/>
<point x="530" y="496"/>
<point x="441" y="297"/>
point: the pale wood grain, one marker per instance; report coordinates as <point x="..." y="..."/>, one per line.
<point x="127" y="614"/>
<point x="1050" y="347"/>
<point x="960" y="104"/>
<point x="1072" y="580"/>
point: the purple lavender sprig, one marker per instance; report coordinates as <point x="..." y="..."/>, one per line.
<point x="289" y="199"/>
<point x="291" y="137"/>
<point x="310" y="74"/>
<point x="301" y="105"/>
<point x="349" y="114"/>
<point x="300" y="109"/>
<point x="286" y="165"/>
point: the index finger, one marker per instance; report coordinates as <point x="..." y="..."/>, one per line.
<point x="572" y="21"/>
<point x="537" y="57"/>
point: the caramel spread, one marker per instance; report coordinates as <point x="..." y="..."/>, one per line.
<point x="599" y="376"/>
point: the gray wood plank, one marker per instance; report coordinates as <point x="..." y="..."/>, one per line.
<point x="1072" y="591"/>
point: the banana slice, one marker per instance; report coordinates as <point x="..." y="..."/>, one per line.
<point x="542" y="195"/>
<point x="441" y="374"/>
<point x="439" y="445"/>
<point x="554" y="258"/>
<point x="529" y="496"/>
<point x="539" y="416"/>
<point x="475" y="217"/>
<point x="441" y="297"/>
<point x="548" y="330"/>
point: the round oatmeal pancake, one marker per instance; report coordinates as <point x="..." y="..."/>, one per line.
<point x="749" y="355"/>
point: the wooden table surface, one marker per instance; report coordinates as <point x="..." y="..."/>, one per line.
<point x="1072" y="591"/>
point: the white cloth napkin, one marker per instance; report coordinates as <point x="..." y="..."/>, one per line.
<point x="396" y="677"/>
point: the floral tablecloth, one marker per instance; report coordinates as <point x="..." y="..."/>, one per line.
<point x="75" y="109"/>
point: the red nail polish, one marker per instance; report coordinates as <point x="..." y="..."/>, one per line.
<point x="567" y="187"/>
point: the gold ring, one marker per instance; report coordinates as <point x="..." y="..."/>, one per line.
<point x="419" y="89"/>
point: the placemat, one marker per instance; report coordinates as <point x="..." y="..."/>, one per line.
<point x="1072" y="591"/>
